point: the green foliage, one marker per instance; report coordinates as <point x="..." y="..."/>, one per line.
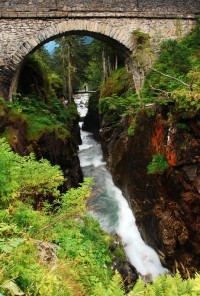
<point x="117" y="83"/>
<point x="158" y="165"/>
<point x="56" y="84"/>
<point x="186" y="103"/>
<point x="75" y="198"/>
<point x="94" y="68"/>
<point x="167" y="285"/>
<point x="70" y="58"/>
<point x="182" y="125"/>
<point x="80" y="246"/>
<point x="24" y="177"/>
<point x="34" y="77"/>
<point x="113" y="108"/>
<point x="132" y="127"/>
<point x="175" y="76"/>
<point x="162" y="285"/>
<point x="141" y="39"/>
<point x="103" y="60"/>
<point x="40" y="116"/>
<point x="174" y="58"/>
<point x="115" y="287"/>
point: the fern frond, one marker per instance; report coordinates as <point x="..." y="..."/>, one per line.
<point x="196" y="284"/>
<point x="159" y="285"/>
<point x="167" y="285"/>
<point x="99" y="290"/>
<point x="115" y="287"/>
<point x="138" y="289"/>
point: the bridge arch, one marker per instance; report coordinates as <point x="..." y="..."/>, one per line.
<point x="105" y="32"/>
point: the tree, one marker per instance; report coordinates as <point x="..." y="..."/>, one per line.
<point x="70" y="62"/>
<point x="103" y="60"/>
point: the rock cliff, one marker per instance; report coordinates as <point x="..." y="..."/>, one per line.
<point x="166" y="205"/>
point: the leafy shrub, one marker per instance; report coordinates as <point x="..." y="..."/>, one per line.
<point x="186" y="103"/>
<point x="113" y="108"/>
<point x="81" y="248"/>
<point x="158" y="165"/>
<point x="24" y="177"/>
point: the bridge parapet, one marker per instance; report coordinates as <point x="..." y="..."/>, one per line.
<point x="59" y="7"/>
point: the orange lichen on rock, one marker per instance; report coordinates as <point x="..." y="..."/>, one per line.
<point x="157" y="137"/>
<point x="171" y="157"/>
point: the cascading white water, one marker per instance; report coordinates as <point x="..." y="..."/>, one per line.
<point x="111" y="209"/>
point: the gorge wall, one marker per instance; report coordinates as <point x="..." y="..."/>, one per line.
<point x="166" y="205"/>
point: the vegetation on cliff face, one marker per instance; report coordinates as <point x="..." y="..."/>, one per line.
<point x="173" y="80"/>
<point x="152" y="142"/>
<point x="175" y="76"/>
<point x="43" y="117"/>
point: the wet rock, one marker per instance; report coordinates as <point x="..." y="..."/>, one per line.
<point x="126" y="270"/>
<point x="91" y="121"/>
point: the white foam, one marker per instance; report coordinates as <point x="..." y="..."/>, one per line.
<point x="140" y="255"/>
<point x="82" y="103"/>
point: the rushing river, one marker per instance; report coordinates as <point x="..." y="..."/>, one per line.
<point x="111" y="209"/>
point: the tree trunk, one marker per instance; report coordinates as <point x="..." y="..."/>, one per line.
<point x="69" y="75"/>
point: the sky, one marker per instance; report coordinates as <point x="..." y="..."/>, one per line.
<point x="50" y="46"/>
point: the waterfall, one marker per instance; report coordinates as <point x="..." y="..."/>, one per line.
<point x="111" y="209"/>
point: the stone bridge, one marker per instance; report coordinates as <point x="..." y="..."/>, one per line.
<point x="27" y="24"/>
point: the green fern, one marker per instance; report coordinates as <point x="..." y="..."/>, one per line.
<point x="138" y="289"/>
<point x="115" y="287"/>
<point x="196" y="287"/>
<point x="168" y="286"/>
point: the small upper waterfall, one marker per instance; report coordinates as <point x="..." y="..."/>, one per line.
<point x="111" y="209"/>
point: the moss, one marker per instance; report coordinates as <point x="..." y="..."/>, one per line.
<point x="141" y="39"/>
<point x="38" y="125"/>
<point x="158" y="165"/>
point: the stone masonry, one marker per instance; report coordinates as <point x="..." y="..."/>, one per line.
<point x="27" y="24"/>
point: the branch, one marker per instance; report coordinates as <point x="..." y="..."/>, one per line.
<point x="167" y="93"/>
<point x="171" y="77"/>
